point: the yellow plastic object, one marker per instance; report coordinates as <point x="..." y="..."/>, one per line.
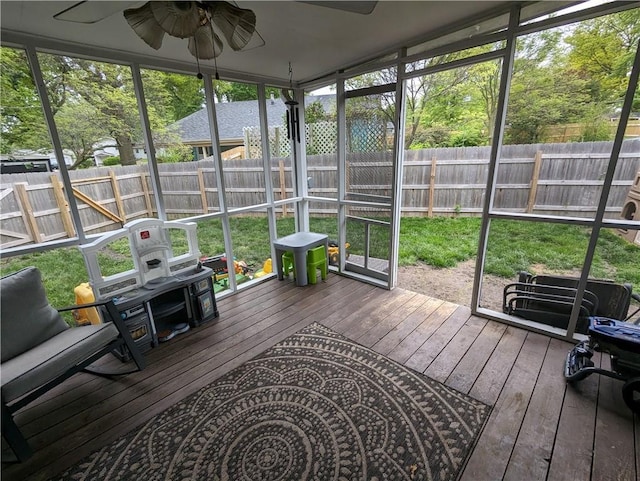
<point x="267" y="266"/>
<point x="288" y="265"/>
<point x="84" y="295"/>
<point x="334" y="253"/>
<point x="316" y="259"/>
<point x="266" y="269"/>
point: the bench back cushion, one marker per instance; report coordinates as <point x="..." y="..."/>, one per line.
<point x="26" y="318"/>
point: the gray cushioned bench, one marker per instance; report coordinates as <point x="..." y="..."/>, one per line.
<point x="39" y="349"/>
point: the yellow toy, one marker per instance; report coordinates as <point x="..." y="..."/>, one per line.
<point x="334" y="253"/>
<point x="267" y="268"/>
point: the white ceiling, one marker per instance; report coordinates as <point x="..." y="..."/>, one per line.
<point x="316" y="40"/>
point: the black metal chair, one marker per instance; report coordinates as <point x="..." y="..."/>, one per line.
<point x="39" y="349"/>
<point x="549" y="300"/>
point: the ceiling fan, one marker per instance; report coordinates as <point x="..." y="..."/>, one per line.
<point x="193" y="20"/>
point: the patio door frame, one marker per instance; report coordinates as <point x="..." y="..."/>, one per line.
<point x="365" y="273"/>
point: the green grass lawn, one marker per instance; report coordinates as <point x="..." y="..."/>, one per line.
<point x="441" y="242"/>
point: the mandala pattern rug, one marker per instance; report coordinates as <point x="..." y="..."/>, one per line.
<point x="316" y="406"/>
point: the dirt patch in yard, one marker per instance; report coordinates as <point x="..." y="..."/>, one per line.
<point x="454" y="284"/>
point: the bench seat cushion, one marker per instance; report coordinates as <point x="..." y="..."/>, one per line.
<point x="48" y="360"/>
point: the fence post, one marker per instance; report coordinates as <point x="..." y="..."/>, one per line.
<point x="203" y="193"/>
<point x="58" y="193"/>
<point x="533" y="188"/>
<point x="145" y="190"/>
<point x="432" y="185"/>
<point x="27" y="211"/>
<point x="247" y="144"/>
<point x="118" y="197"/>
<point x="283" y="187"/>
<point x="276" y="142"/>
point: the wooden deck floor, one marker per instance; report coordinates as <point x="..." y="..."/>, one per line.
<point x="539" y="429"/>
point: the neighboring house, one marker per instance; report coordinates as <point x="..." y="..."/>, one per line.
<point x="108" y="148"/>
<point x="233" y="118"/>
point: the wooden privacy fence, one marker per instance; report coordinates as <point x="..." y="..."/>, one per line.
<point x="574" y="132"/>
<point x="557" y="179"/>
<point x="552" y="179"/>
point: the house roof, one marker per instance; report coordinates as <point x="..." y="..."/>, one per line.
<point x="233" y="117"/>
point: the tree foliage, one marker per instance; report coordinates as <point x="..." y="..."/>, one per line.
<point x="185" y="94"/>
<point x="21" y="119"/>
<point x="80" y="131"/>
<point x="225" y="91"/>
<point x="602" y="53"/>
<point x="543" y="91"/>
<point x="571" y="74"/>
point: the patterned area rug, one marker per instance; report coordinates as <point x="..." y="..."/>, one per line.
<point x="316" y="406"/>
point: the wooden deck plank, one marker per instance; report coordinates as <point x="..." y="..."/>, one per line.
<point x="429" y="325"/>
<point x="357" y="324"/>
<point x="445" y="362"/>
<point x="490" y="458"/>
<point x="394" y="337"/>
<point x="429" y="350"/>
<point x="573" y="450"/>
<point x="375" y="333"/>
<point x="532" y="452"/>
<point x="583" y="429"/>
<point x="357" y="303"/>
<point x="474" y="360"/>
<point x="491" y="380"/>
<point x="613" y="456"/>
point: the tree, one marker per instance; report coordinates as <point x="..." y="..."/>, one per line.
<point x="602" y="53"/>
<point x="79" y="131"/>
<point x="183" y="93"/>
<point x="433" y="98"/>
<point x="175" y="153"/>
<point x="21" y="119"/>
<point x="485" y="77"/>
<point x="109" y="89"/>
<point x="543" y="91"/>
<point x="314" y="112"/>
<point x="224" y="91"/>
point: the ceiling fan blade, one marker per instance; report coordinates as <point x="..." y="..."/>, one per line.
<point x="205" y="44"/>
<point x="178" y="19"/>
<point x="145" y="25"/>
<point x="361" y="7"/>
<point x="90" y="12"/>
<point x="237" y="24"/>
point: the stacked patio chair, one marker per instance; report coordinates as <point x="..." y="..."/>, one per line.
<point x="604" y="316"/>
<point x="549" y="300"/>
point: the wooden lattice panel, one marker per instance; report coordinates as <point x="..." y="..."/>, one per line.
<point x="321" y="139"/>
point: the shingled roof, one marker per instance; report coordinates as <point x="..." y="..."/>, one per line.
<point x="234" y="116"/>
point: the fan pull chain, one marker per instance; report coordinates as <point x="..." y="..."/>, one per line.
<point x="215" y="57"/>
<point x="197" y="60"/>
<point x="290" y="76"/>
